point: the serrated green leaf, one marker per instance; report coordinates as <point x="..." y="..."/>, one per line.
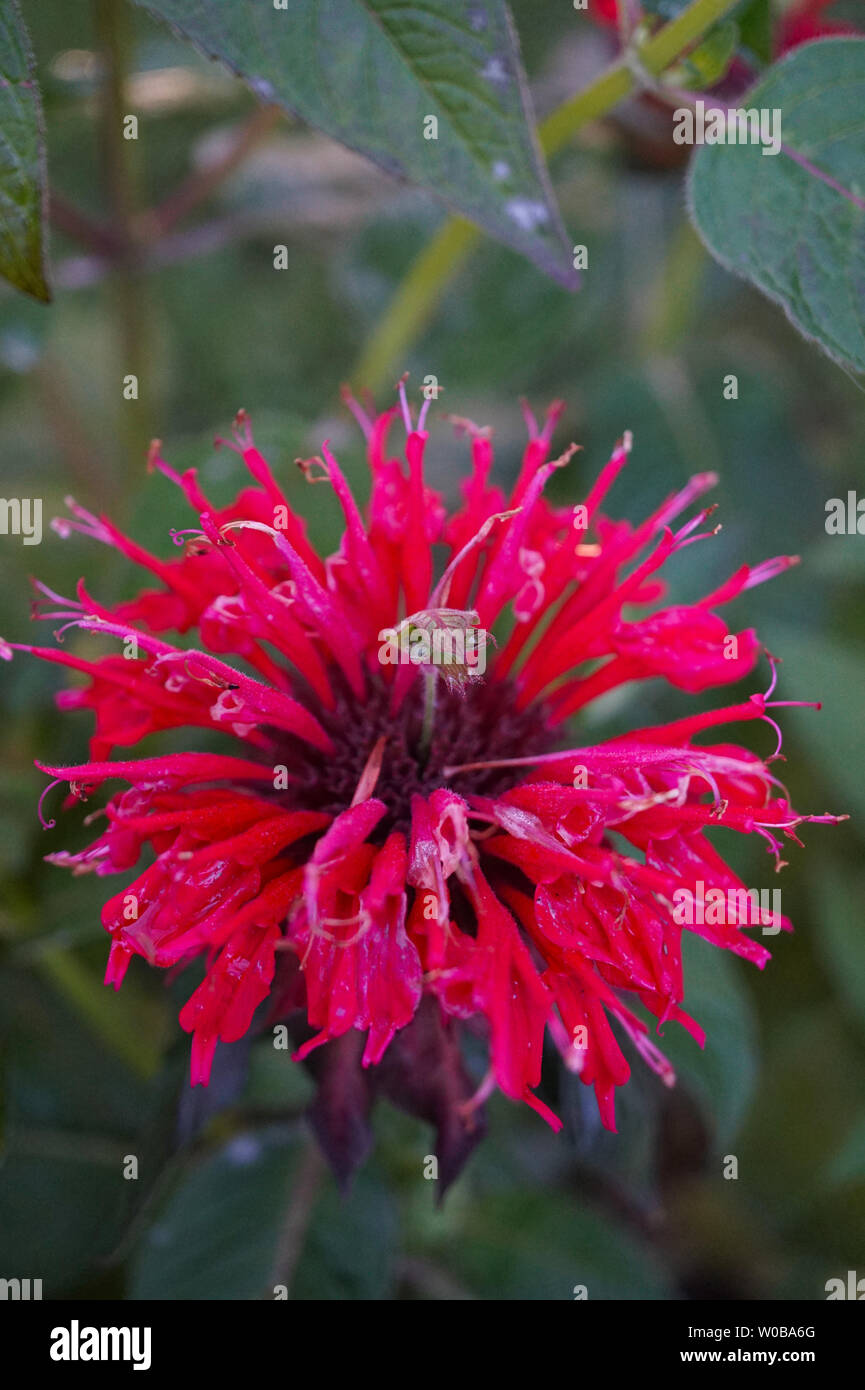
<point x="797" y="231"/>
<point x="374" y="73"/>
<point x="22" y="180"/>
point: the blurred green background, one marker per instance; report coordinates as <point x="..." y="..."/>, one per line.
<point x="90" y="1077"/>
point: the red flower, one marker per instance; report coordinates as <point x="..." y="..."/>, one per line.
<point x="393" y="857"/>
<point x="804" y="21"/>
<point x="800" y="23"/>
<point x="606" y="12"/>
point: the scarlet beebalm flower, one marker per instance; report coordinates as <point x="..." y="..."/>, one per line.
<point x="388" y="872"/>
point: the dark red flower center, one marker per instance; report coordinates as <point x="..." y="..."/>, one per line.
<point x="480" y="723"/>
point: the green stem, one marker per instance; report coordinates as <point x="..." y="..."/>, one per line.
<point x="414" y="301"/>
<point x="443" y="256"/>
<point x="674" y="300"/>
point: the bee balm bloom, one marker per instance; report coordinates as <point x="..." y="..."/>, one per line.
<point x="387" y="854"/>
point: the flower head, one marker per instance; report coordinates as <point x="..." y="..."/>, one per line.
<point x="389" y="853"/>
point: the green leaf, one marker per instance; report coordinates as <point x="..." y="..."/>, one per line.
<point x="797" y="231"/>
<point x="22" y="173"/>
<point x="217" y="1235"/>
<point x="349" y="1248"/>
<point x="752" y="20"/>
<point x="61" y="1201"/>
<point x="722" y="1074"/>
<point x="709" y="61"/>
<point x="371" y="73"/>
<point x="541" y="1245"/>
<point x="755" y="30"/>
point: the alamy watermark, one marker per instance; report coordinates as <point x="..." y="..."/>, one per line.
<point x="720" y="125"/>
<point x="742" y="907"/>
<point x="20" y="1290"/>
<point x="22" y="516"/>
<point x="845" y="516"/>
<point x="77" y="1343"/>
